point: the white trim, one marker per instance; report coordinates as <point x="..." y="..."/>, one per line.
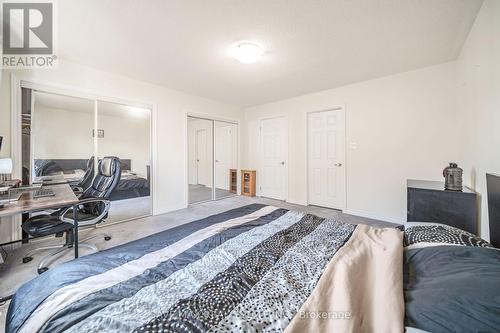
<point x="344" y="158"/>
<point x="15" y="146"/>
<point x="32" y="142"/>
<point x="207" y="116"/>
<point x="186" y="161"/>
<point x="287" y="140"/>
<point x="81" y="93"/>
<point x="370" y="215"/>
<point x="15" y="126"/>
<point x="95" y="138"/>
<point x="153" y="158"/>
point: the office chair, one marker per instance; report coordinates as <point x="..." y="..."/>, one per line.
<point x="86" y="180"/>
<point x="47" y="168"/>
<point x="93" y="208"/>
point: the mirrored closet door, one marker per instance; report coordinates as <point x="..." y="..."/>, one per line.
<point x="212" y="159"/>
<point x="200" y="159"/>
<point x="61" y="140"/>
<point x="124" y="131"/>
<point x="226" y="158"/>
<point x="65" y="138"/>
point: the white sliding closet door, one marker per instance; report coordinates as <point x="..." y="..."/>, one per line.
<point x="202" y="158"/>
<point x="326" y="167"/>
<point x="224" y="146"/>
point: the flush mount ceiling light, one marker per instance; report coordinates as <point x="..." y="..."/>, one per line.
<point x="246" y="52"/>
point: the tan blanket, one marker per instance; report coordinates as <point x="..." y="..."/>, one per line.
<point x="361" y="289"/>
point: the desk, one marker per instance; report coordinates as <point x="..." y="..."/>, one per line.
<point x="64" y="197"/>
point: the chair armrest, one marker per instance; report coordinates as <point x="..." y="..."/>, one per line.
<point x="95" y="220"/>
<point x="77" y="189"/>
<point x="89" y="200"/>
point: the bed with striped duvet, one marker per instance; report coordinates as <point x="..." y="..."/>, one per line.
<point x="251" y="269"/>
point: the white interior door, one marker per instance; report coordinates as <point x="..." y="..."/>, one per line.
<point x="202" y="167"/>
<point x="326" y="167"/>
<point x="273" y="152"/>
<point x="223" y="155"/>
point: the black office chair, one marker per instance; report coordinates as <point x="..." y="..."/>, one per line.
<point x="86" y="180"/>
<point x="47" y="168"/>
<point x="93" y="208"/>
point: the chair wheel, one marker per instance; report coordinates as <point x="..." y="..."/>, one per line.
<point x="107" y="238"/>
<point x="43" y="269"/>
<point x="27" y="259"/>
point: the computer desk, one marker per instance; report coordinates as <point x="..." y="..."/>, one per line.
<point x="63" y="197"/>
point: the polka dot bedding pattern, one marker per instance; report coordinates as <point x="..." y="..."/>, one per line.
<point x="262" y="290"/>
<point x="427" y="235"/>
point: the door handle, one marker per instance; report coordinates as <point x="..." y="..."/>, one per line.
<point x="282" y="162"/>
<point x="338" y="164"/>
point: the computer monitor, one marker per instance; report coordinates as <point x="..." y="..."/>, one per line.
<point x="493" y="189"/>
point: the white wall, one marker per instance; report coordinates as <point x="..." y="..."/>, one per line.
<point x="170" y="107"/>
<point x="479" y="103"/>
<point x="124" y="136"/>
<point x="405" y="126"/>
<point x="62" y="134"/>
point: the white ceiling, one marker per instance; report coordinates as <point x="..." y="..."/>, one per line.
<point x="310" y="45"/>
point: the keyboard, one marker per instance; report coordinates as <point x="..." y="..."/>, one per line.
<point x="43" y="192"/>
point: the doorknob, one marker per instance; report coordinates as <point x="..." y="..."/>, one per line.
<point x="282" y="163"/>
<point x="338" y="164"/>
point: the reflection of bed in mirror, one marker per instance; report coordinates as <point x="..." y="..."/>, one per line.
<point x="131" y="185"/>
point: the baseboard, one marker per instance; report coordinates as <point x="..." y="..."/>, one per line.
<point x="373" y="216"/>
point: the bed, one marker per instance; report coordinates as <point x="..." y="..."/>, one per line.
<point x="251" y="269"/>
<point x="131" y="185"/>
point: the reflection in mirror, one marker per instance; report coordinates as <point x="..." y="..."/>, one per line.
<point x="123" y="131"/>
<point x="200" y="160"/>
<point x="62" y="142"/>
<point x="226" y="157"/>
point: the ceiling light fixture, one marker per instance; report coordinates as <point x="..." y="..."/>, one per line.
<point x="246" y="52"/>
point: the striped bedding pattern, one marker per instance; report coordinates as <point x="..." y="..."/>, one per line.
<point x="248" y="269"/>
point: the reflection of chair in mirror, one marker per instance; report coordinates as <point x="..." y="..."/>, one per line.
<point x="85" y="182"/>
<point x="93" y="208"/>
<point x="47" y="168"/>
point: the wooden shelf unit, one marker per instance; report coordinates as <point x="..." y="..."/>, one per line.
<point x="233" y="180"/>
<point x="248" y="182"/>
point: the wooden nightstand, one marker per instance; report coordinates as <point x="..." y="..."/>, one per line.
<point x="428" y="201"/>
